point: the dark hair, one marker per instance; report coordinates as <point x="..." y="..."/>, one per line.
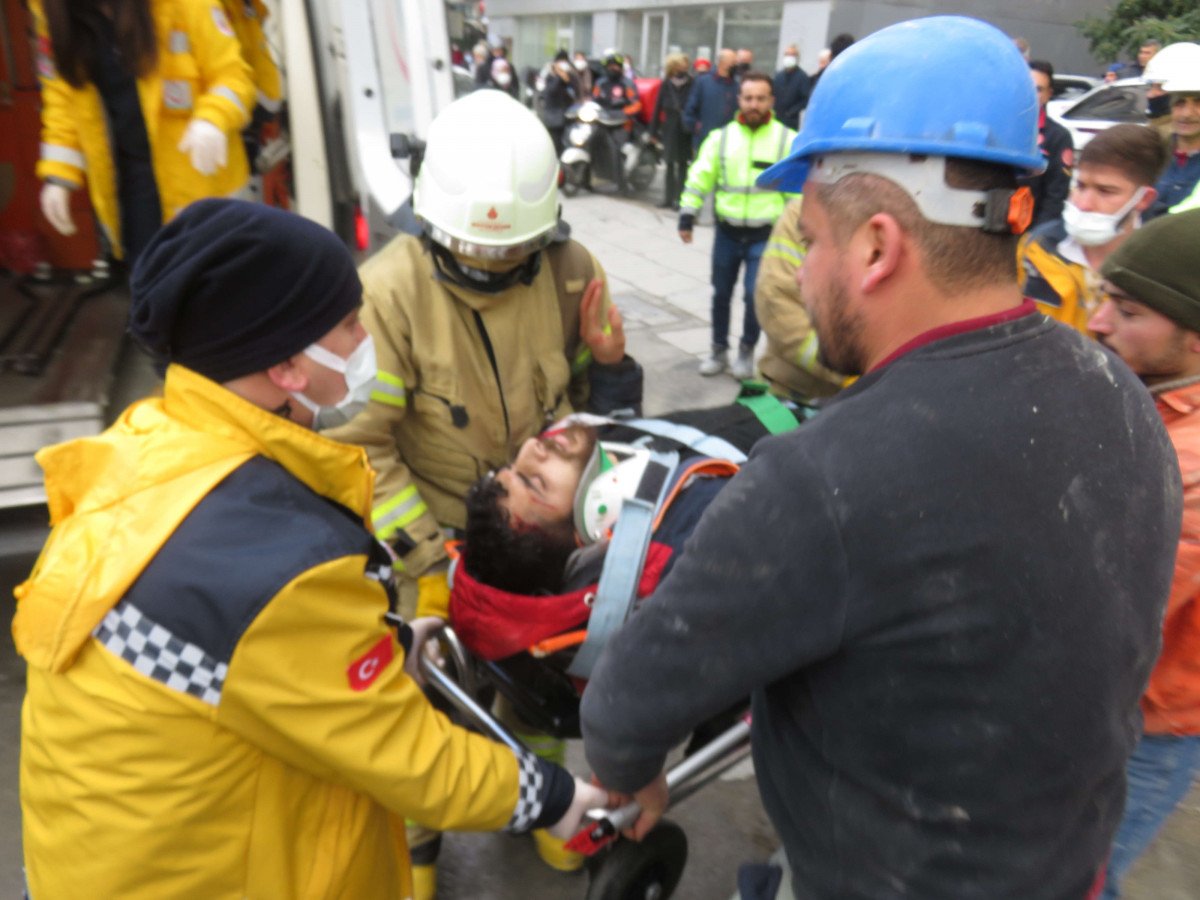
<point x="1134" y="150"/>
<point x="495" y="554"/>
<point x="1040" y="65"/>
<point x="75" y="32"/>
<point x="758" y="76"/>
<point x="955" y="257"/>
<point x="839" y="45"/>
<point x="561" y="56"/>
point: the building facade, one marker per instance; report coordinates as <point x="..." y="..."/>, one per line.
<point x="649" y="29"/>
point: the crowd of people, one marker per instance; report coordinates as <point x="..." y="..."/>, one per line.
<point x="947" y="554"/>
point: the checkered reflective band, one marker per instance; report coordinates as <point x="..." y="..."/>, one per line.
<point x="529" y="793"/>
<point x="158" y="654"/>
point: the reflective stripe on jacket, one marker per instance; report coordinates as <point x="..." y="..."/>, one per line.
<point x="790" y="362"/>
<point x="199" y="73"/>
<point x="729" y="161"/>
<point x="216" y="706"/>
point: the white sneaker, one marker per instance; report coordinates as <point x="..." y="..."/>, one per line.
<point x="716" y="363"/>
<point x="743" y="366"/>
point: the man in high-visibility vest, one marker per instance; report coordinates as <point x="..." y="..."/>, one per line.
<point x="730" y="159"/>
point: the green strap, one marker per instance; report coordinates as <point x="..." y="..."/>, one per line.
<point x="770" y="411"/>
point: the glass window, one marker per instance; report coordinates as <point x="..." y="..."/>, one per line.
<point x="629" y="35"/>
<point x="583" y="34"/>
<point x="1112" y="104"/>
<point x="755" y="26"/>
<point x="694" y="31"/>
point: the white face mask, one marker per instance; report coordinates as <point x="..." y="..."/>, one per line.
<point x="581" y="64"/>
<point x="1094" y="229"/>
<point x="358" y="369"/>
<point x="789" y="62"/>
<point x="503" y="79"/>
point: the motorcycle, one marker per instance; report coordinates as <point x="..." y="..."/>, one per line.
<point x="590" y="145"/>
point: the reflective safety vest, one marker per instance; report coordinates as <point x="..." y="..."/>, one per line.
<point x="729" y="162"/>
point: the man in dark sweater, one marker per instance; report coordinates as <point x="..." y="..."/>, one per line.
<point x="1050" y="189"/>
<point x="945" y="592"/>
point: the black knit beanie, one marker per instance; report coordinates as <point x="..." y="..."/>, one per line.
<point x="229" y="288"/>
<point x="1156" y="265"/>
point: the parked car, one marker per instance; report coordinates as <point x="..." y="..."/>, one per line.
<point x="1068" y="87"/>
<point x="1101" y="107"/>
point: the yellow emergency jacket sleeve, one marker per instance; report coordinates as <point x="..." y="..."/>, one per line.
<point x="61" y="157"/>
<point x="228" y="98"/>
<point x="701" y="174"/>
<point x="317" y="680"/>
<point x="790" y="362"/>
<point x="247" y="19"/>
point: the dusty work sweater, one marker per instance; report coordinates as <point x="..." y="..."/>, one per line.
<point x="945" y="594"/>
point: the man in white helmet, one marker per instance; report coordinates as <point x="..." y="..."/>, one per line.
<point x="1181" y="84"/>
<point x="942" y="606"/>
<point x="477" y="328"/>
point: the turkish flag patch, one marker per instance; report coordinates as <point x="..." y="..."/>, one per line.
<point x="364" y="670"/>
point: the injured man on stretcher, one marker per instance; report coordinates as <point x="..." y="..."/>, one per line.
<point x="591" y="513"/>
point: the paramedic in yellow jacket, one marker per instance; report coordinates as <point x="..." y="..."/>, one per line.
<point x="790" y="365"/>
<point x="1059" y="262"/>
<point x="477" y="329"/>
<point x="219" y="700"/>
<point x="247" y="18"/>
<point x="143" y="100"/>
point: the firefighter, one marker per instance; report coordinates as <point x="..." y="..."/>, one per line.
<point x="487" y="327"/>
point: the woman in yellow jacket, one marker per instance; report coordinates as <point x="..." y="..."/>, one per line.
<point x="139" y="99"/>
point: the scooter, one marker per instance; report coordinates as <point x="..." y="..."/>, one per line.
<point x="590" y="146"/>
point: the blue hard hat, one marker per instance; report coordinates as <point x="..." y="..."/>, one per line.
<point x="939" y="86"/>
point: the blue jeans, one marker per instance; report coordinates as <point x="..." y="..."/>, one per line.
<point x="1160" y="774"/>
<point x="728" y="254"/>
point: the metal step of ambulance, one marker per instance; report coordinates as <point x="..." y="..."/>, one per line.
<point x="60" y="338"/>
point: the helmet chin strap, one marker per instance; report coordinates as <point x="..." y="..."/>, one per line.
<point x="481" y="280"/>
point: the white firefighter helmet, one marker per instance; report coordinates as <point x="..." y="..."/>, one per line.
<point x="610" y="477"/>
<point x="1176" y="63"/>
<point x="488" y="183"/>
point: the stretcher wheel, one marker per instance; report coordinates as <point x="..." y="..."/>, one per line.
<point x="649" y="870"/>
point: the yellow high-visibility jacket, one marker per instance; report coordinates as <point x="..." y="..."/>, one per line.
<point x="247" y="17"/>
<point x="789" y="364"/>
<point x="1062" y="289"/>
<point x="216" y="706"/>
<point x="729" y="161"/>
<point x="199" y="73"/>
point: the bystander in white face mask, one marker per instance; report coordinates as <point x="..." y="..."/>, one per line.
<point x="790" y="62"/>
<point x="359" y="371"/>
<point x="1094" y="229"/>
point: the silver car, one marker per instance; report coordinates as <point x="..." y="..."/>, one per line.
<point x="1109" y="104"/>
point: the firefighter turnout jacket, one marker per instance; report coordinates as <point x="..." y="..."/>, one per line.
<point x="790" y="362"/>
<point x="216" y="706"/>
<point x="464" y="379"/>
<point x="199" y="73"/>
<point x="729" y="162"/>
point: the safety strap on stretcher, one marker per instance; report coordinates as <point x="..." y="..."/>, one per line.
<point x="623" y="562"/>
